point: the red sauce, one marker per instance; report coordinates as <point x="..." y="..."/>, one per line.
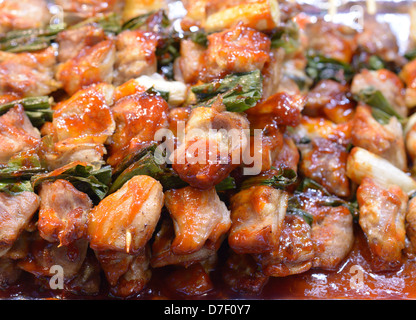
<point x="314" y="284"/>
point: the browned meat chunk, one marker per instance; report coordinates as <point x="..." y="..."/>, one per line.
<point x="81" y="126"/>
<point x="136" y="55"/>
<point x="295" y="252"/>
<point x="332" y="40"/>
<point x="44" y="255"/>
<point x="73" y="41"/>
<point x="190" y="282"/>
<point x="384" y="140"/>
<point x="28" y="74"/>
<point x="125" y="220"/>
<point x="382" y="218"/>
<point x="325" y="162"/>
<point x="199" y="217"/>
<point x="332" y="233"/>
<point x="213" y="146"/>
<point x="63" y="212"/>
<point x="387" y="82"/>
<point x="238" y="49"/>
<point x="127" y="274"/>
<point x="16" y="211"/>
<point x="24" y="14"/>
<point x="138" y="117"/>
<point x="17" y="134"/>
<point x="162" y="253"/>
<point x="92" y="65"/>
<point x="257" y="216"/>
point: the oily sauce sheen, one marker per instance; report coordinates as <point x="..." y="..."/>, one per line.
<point x="353" y="279"/>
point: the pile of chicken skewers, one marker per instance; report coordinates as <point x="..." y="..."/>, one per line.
<point x="82" y="102"/>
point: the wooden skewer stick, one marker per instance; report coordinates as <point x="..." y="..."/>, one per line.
<point x="413" y="23"/>
<point x="371" y="6"/>
<point x="128" y="241"/>
<point x="332" y="11"/>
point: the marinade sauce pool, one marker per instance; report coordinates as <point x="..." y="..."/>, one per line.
<point x="353" y="279"/>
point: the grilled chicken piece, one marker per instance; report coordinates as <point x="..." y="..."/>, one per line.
<point x="125" y="220"/>
<point x="378" y="39"/>
<point x="136" y="55"/>
<point x="138" y="117"/>
<point x="387" y="82"/>
<point x="331" y="99"/>
<point x="408" y="75"/>
<point x="325" y="162"/>
<point x="264" y="148"/>
<point x="92" y="65"/>
<point x="25" y="14"/>
<point x="44" y="254"/>
<point x="257" y="216"/>
<point x="382" y="218"/>
<point x="242" y="274"/>
<point x="16" y="211"/>
<point x="72" y="41"/>
<point x="214" y="144"/>
<point x="288" y="156"/>
<point x="63" y="212"/>
<point x="199" y="218"/>
<point x="318" y="127"/>
<point x="17" y="134"/>
<point x="333" y="236"/>
<point x="332" y="227"/>
<point x="284" y="108"/>
<point x="163" y="255"/>
<point x="332" y="40"/>
<point x="238" y="49"/>
<point x="28" y="74"/>
<point x="127" y="274"/>
<point x="384" y="140"/>
<point x="76" y="10"/>
<point x="190" y="62"/>
<point x="80" y="126"/>
<point x="295" y="252"/>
